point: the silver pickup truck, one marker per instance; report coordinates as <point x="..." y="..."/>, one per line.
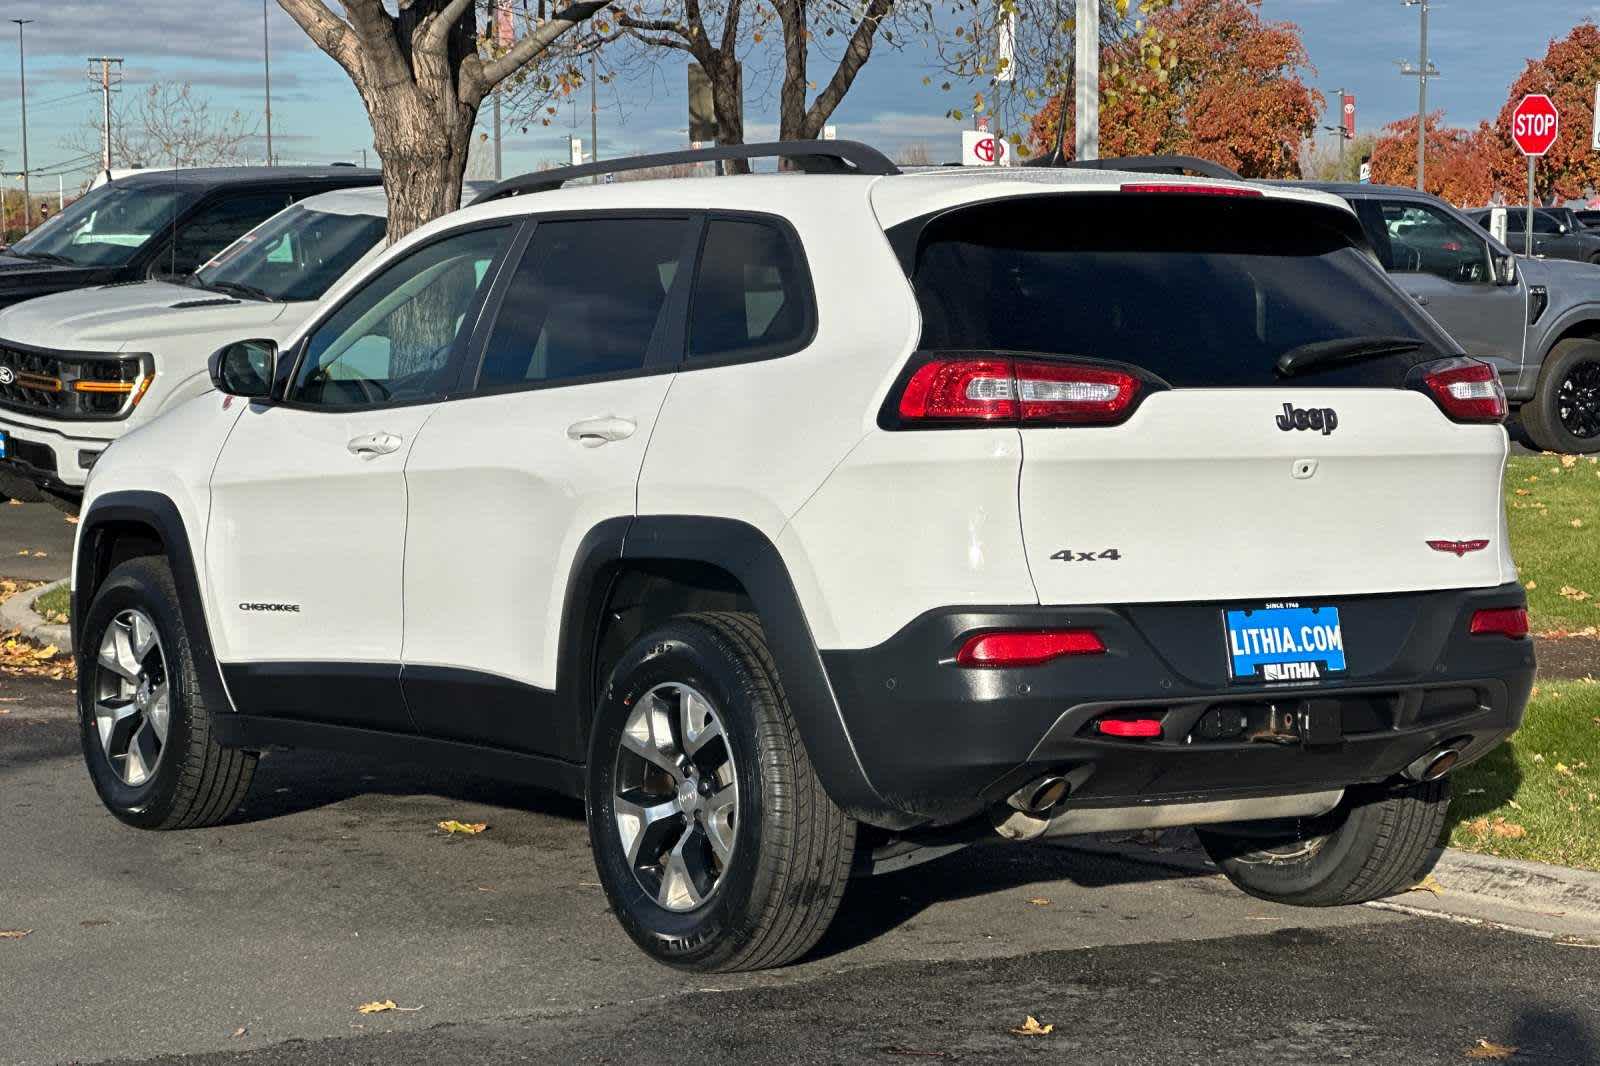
<point x="1537" y="320"/>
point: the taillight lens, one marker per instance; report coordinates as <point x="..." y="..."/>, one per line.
<point x="1027" y="647"/>
<point x="989" y="389"/>
<point x="1500" y="621"/>
<point x="1466" y="390"/>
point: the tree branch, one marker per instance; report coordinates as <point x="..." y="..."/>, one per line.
<point x="493" y="73"/>
<point x="327" y="31"/>
<point x="657" y="42"/>
<point x="439" y="29"/>
<point x="628" y="22"/>
<point x="730" y="29"/>
<point x="854" y="58"/>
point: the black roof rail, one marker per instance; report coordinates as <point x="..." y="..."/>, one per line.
<point x="1147" y="164"/>
<point x="813" y="157"/>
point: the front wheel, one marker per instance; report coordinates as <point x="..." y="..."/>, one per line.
<point x="715" y="842"/>
<point x="1378" y="842"/>
<point x="1564" y="413"/>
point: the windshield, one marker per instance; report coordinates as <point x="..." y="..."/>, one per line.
<point x="108" y="226"/>
<point x="1198" y="291"/>
<point x="296" y="255"/>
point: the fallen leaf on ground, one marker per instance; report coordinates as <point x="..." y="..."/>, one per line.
<point x="72" y="519"/>
<point x="1039" y="901"/>
<point x="1569" y="461"/>
<point x="1563" y="769"/>
<point x="49" y="651"/>
<point x="1577" y="523"/>
<point x="1488" y="1049"/>
<point x="1429" y="884"/>
<point x="1575" y="595"/>
<point x="1523" y="492"/>
<point x="1031" y="1027"/>
<point x="41" y="555"/>
<point x="377" y="1006"/>
<point x="243" y="1029"/>
<point x="1530" y="586"/>
<point x="1508" y="830"/>
<point x="450" y="825"/>
<point x="14" y="503"/>
<point x="1573" y="940"/>
<point x="14" y="934"/>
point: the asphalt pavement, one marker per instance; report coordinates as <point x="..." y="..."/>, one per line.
<point x="258" y="940"/>
<point x="35" y="541"/>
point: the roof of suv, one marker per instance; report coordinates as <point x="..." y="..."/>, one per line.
<point x="218" y="176"/>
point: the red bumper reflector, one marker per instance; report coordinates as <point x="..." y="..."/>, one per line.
<point x="1500" y="621"/>
<point x="1129" y="727"/>
<point x="1027" y="647"/>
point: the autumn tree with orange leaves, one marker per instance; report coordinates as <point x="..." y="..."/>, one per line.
<point x="1227" y="86"/>
<point x="1461" y="162"/>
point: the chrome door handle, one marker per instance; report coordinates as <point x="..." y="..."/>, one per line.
<point x="593" y="432"/>
<point x="372" y="445"/>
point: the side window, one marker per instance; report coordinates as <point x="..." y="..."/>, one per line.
<point x="392" y="339"/>
<point x="1425" y="240"/>
<point x="1546" y="223"/>
<point x="585" y="300"/>
<point x="751" y="296"/>
<point x="218" y="225"/>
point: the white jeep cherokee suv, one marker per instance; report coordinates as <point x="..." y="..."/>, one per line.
<point x="813" y="523"/>
<point x="107" y="359"/>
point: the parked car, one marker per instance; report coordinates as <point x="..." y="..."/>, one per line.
<point x="154" y="337"/>
<point x="1557" y="233"/>
<point x="158" y="223"/>
<point x="821" y="522"/>
<point x="1589" y="219"/>
<point x="1535" y="320"/>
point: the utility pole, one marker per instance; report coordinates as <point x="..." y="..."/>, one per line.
<point x="266" y="67"/>
<point x="22" y="70"/>
<point x="108" y="85"/>
<point x="1087" y="65"/>
<point x="594" y="117"/>
<point x="1422" y="72"/>
<point x="497" y="154"/>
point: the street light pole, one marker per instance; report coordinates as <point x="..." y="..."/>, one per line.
<point x="22" y="69"/>
<point x="266" y="66"/>
<point x="1087" y="80"/>
<point x="1422" y="72"/>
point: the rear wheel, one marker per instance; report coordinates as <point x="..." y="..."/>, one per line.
<point x="145" y="730"/>
<point x="1378" y="842"/>
<point x="1564" y="413"/>
<point x="715" y="842"/>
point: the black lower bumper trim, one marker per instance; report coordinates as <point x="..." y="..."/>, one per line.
<point x="945" y="742"/>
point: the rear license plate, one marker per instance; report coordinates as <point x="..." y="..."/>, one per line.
<point x="1284" y="642"/>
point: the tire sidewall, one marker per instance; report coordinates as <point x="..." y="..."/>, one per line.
<point x="1555" y="436"/>
<point x="693" y="655"/>
<point x="133" y="586"/>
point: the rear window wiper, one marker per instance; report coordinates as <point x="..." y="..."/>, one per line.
<point x="1321" y="354"/>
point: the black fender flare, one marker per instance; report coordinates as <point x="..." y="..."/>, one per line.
<point x="745" y="552"/>
<point x="158" y="513"/>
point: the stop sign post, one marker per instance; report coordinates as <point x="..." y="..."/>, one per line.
<point x="1535" y="125"/>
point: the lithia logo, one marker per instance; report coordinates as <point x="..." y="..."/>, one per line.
<point x="1322" y="418"/>
<point x="292" y="608"/>
<point x="7" y="375"/>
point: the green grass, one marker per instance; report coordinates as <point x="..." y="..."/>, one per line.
<point x="1543" y="499"/>
<point x="1537" y="796"/>
<point x="55" y="605"/>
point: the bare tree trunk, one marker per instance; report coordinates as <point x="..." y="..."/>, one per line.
<point x="796" y="121"/>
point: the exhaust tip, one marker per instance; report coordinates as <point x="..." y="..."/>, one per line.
<point x="1433" y="765"/>
<point x="1041" y="796"/>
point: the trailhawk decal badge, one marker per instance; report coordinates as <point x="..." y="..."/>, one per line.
<point x="1459" y="548"/>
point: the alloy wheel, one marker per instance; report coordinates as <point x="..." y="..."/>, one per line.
<point x="675" y="796"/>
<point x="1578" y="400"/>
<point x="133" y="700"/>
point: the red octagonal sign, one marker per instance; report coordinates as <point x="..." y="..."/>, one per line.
<point x="1535" y="123"/>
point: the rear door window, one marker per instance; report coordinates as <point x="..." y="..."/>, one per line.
<point x="1194" y="290"/>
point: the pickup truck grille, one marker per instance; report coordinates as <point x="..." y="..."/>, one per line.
<point x="76" y="386"/>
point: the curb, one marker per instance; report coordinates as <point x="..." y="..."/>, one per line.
<point x="1529" y="897"/>
<point x="17" y="613"/>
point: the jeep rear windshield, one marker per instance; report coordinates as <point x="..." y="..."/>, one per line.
<point x="1198" y="291"/>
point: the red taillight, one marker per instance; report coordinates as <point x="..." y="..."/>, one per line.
<point x="1195" y="189"/>
<point x="1129" y="727"/>
<point x="1500" y="622"/>
<point x="1027" y="647"/>
<point x="1452" y="246"/>
<point x="1466" y="390"/>
<point x="1009" y="390"/>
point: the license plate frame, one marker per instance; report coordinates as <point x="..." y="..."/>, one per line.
<point x="1283" y="643"/>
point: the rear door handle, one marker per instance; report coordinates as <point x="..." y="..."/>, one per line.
<point x="593" y="432"/>
<point x="372" y="445"/>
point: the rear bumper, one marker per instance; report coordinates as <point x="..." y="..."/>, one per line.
<point x="942" y="743"/>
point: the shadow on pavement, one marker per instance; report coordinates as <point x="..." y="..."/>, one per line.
<point x="1561" y="1035"/>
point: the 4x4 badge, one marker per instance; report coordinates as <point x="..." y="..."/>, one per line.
<point x="1322" y="418"/>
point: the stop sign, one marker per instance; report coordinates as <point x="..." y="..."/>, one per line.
<point x="1534" y="124"/>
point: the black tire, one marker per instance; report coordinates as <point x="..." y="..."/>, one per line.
<point x="195" y="781"/>
<point x="1574" y="364"/>
<point x="1380" y="841"/>
<point x="792" y="847"/>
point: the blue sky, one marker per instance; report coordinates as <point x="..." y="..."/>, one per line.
<point x="1479" y="45"/>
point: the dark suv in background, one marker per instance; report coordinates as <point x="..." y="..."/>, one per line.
<point x="157" y="223"/>
<point x="1536" y="320"/>
<point x="1558" y="233"/>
